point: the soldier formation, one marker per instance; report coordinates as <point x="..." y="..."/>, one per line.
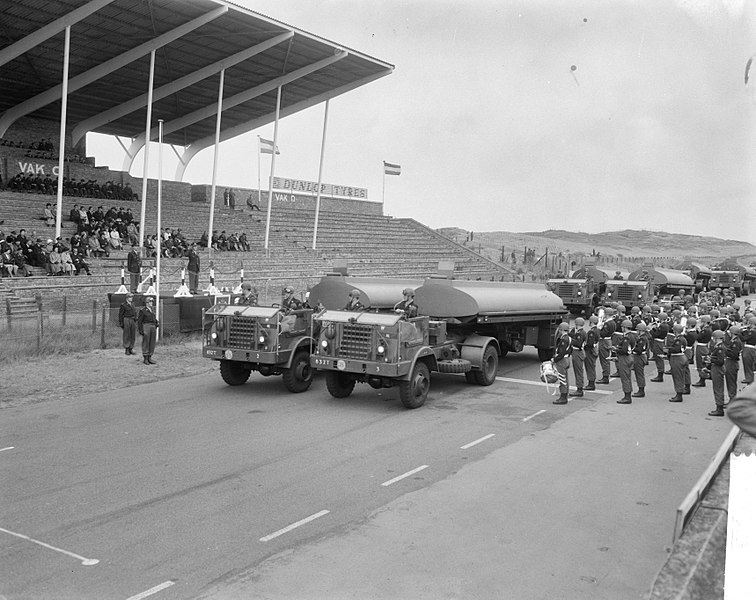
<point x="708" y="331"/>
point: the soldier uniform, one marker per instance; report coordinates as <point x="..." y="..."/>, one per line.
<point x="640" y="359"/>
<point x="193" y="268"/>
<point x="678" y="362"/>
<point x="561" y="361"/>
<point x="659" y="334"/>
<point x="625" y="360"/>
<point x="748" y="336"/>
<point x="248" y="296"/>
<point x="407" y="305"/>
<point x="354" y="301"/>
<point x="733" y="347"/>
<point x="289" y="302"/>
<point x="147" y="323"/>
<point x="134" y="267"/>
<point x="716" y="360"/>
<point x="591" y="352"/>
<point x="702" y="349"/>
<point x="578" y="337"/>
<point x="127" y="316"/>
<point x="605" y="348"/>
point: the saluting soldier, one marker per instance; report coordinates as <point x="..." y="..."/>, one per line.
<point x="733" y="347"/>
<point x="134" y="267"/>
<point x="640" y="358"/>
<point x="577" y="337"/>
<point x="625" y="360"/>
<point x="561" y="361"/>
<point x="716" y="360"/>
<point x="592" y="338"/>
<point x="677" y="361"/>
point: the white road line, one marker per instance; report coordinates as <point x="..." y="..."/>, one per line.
<point x="8" y="448"/>
<point x="471" y="444"/>
<point x="535" y="414"/>
<point x="304" y="521"/>
<point x="407" y="474"/>
<point x="529" y="382"/>
<point x="87" y="562"/>
<point x="151" y="591"/>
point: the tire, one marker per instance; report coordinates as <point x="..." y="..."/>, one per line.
<point x="234" y="373"/>
<point x="299" y="377"/>
<point x="339" y="385"/>
<point x="456" y="365"/>
<point x="545" y="354"/>
<point x="489" y="367"/>
<point x="414" y="392"/>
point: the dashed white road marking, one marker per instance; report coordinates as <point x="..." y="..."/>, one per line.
<point x="151" y="591"/>
<point x="87" y="562"/>
<point x="535" y="414"/>
<point x="287" y="529"/>
<point x="478" y="441"/>
<point x="529" y="382"/>
<point x="8" y="448"/>
<point x="403" y="476"/>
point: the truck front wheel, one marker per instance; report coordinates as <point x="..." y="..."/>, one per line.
<point x="339" y="385"/>
<point x="299" y="377"/>
<point x="489" y="367"/>
<point x="414" y="392"/>
<point x="234" y="373"/>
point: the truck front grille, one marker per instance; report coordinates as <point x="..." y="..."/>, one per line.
<point x="566" y="290"/>
<point x="241" y="332"/>
<point x="625" y="293"/>
<point x="355" y="342"/>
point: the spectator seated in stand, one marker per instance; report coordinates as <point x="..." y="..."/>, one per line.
<point x="7" y="264"/>
<point x="66" y="262"/>
<point x="47" y="216"/>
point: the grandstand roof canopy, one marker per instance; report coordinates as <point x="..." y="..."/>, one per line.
<point x="110" y="46"/>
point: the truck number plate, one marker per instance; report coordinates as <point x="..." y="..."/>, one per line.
<point x="341" y="365"/>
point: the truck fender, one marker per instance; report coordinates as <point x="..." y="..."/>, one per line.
<point x="475" y="345"/>
<point x="305" y="342"/>
<point x="422" y="353"/>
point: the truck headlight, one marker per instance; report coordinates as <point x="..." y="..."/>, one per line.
<point x="609" y="294"/>
<point x="261" y="339"/>
<point x="381" y="349"/>
<point x="580" y="293"/>
<point x="213" y="336"/>
<point x="324" y="345"/>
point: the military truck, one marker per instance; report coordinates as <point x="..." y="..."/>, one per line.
<point x="628" y="293"/>
<point x="578" y="295"/>
<point x="464" y="327"/>
<point x="665" y="282"/>
<point x="266" y="339"/>
<point x="726" y="279"/>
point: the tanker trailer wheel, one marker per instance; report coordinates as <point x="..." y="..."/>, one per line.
<point x="234" y="373"/>
<point x="488" y="368"/>
<point x="339" y="385"/>
<point x="299" y="377"/>
<point x="414" y="392"/>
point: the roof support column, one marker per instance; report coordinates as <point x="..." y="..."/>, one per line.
<point x="320" y="176"/>
<point x="216" y="151"/>
<point x="62" y="142"/>
<point x="148" y="126"/>
<point x="272" y="168"/>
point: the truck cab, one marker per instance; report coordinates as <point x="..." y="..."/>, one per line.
<point x="629" y="293"/>
<point x="578" y="295"/>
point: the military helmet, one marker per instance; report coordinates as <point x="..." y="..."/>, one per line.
<point x="246" y="285"/>
<point x="564" y="326"/>
<point x="288" y="290"/>
<point x="677" y="328"/>
<point x="627" y="323"/>
<point x="717" y="334"/>
<point x="752" y="320"/>
<point x="692" y="322"/>
<point x="354" y="294"/>
<point x="593" y="319"/>
<point x="641" y="326"/>
<point x="579" y="322"/>
<point x="734" y="329"/>
<point x="408" y="292"/>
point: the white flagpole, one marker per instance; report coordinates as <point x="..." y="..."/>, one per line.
<point x="159" y="222"/>
<point x="62" y="143"/>
<point x="259" y="184"/>
<point x="215" y="162"/>
<point x="148" y="127"/>
<point x="320" y="177"/>
<point x="272" y="167"/>
<point x="383" y="198"/>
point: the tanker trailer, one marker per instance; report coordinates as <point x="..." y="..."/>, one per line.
<point x="464" y="327"/>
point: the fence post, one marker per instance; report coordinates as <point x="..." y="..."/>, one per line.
<point x="8" y="309"/>
<point x="94" y="316"/>
<point x="65" y="298"/>
<point x="102" y="329"/>
<point x="39" y="330"/>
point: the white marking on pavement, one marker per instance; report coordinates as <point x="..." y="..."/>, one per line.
<point x="151" y="591"/>
<point x="87" y="562"/>
<point x="535" y="414"/>
<point x="529" y="382"/>
<point x="8" y="448"/>
<point x="304" y="521"/>
<point x="471" y="444"/>
<point x="407" y="474"/>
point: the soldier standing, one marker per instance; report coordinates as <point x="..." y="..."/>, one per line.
<point x="716" y="360"/>
<point x="733" y="347"/>
<point x="659" y="333"/>
<point x="605" y="345"/>
<point x="748" y="336"/>
<point x="677" y="361"/>
<point x="147" y="323"/>
<point x="691" y="336"/>
<point x="578" y="337"/>
<point x="561" y="361"/>
<point x="193" y="268"/>
<point x="702" y="349"/>
<point x="591" y="352"/>
<point x="625" y="361"/>
<point x="127" y="316"/>
<point x="640" y="359"/>
<point x="134" y="266"/>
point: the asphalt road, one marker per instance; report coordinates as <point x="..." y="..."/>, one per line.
<point x="176" y="487"/>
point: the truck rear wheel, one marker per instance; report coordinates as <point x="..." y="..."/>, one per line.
<point x="339" y="385"/>
<point x="234" y="373"/>
<point x="489" y="367"/>
<point x="299" y="377"/>
<point x="414" y="392"/>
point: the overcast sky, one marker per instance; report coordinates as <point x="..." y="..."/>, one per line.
<point x="494" y="129"/>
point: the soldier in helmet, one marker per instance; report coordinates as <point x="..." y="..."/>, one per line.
<point x="577" y="337"/>
<point x="716" y="361"/>
<point x="625" y="360"/>
<point x="640" y="358"/>
<point x="591" y="351"/>
<point x="733" y="347"/>
<point x="691" y="336"/>
<point x="248" y="296"/>
<point x="289" y="302"/>
<point x="354" y="303"/>
<point x="702" y="348"/>
<point x="748" y="336"/>
<point x="677" y="360"/>
<point x="561" y="360"/>
<point x="605" y="345"/>
<point x="407" y="305"/>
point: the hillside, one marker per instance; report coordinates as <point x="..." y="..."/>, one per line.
<point x="627" y="246"/>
